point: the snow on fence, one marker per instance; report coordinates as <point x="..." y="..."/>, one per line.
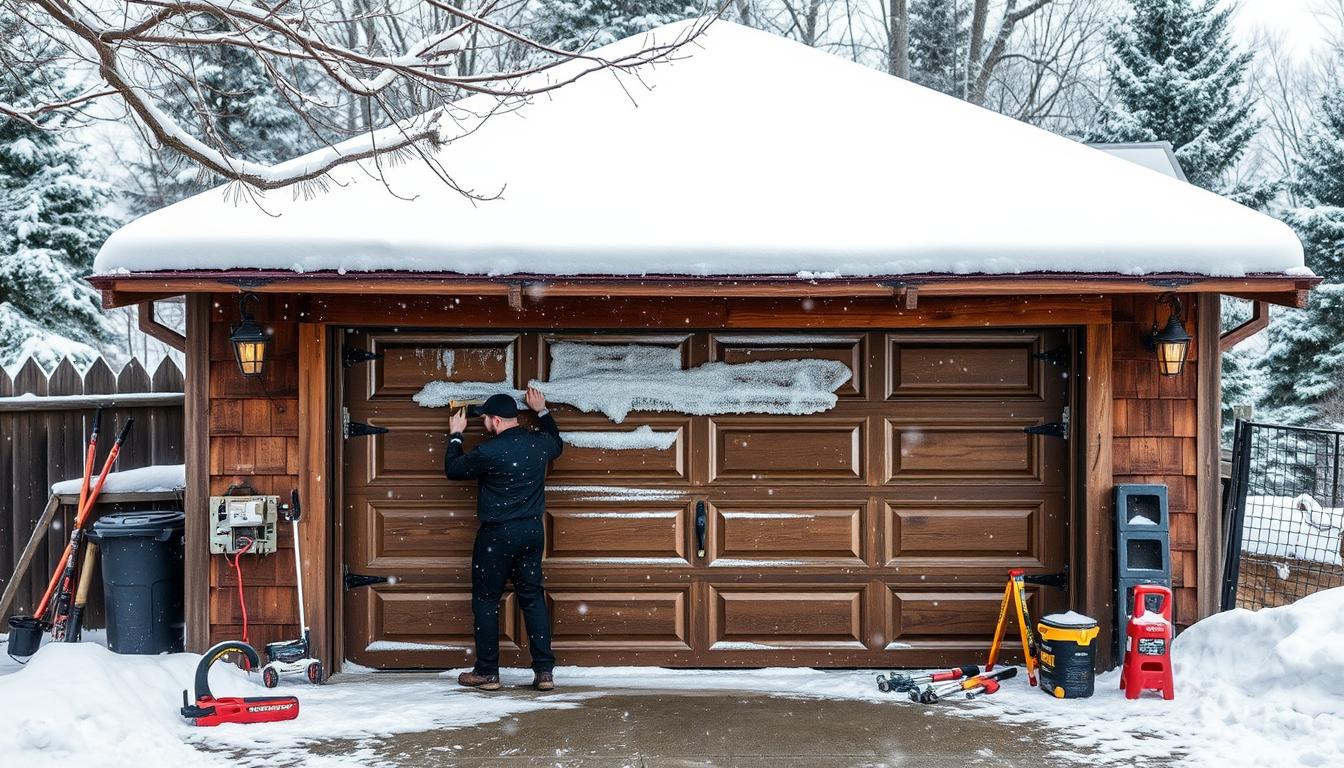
<point x="44" y="422"/>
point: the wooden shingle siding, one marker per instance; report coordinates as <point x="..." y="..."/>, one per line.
<point x="254" y="438"/>
<point x="1155" y="428"/>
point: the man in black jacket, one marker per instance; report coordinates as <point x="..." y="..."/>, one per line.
<point x="510" y="468"/>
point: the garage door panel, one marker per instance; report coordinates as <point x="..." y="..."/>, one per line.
<point x="969" y="529"/>
<point x="934" y="615"/>
<point x="417" y="535"/>
<point x="782" y="535"/>
<point x="680" y="343"/>
<point x="628" y="534"/>
<point x="585" y="463"/>
<point x="963" y="365"/>
<point x="410" y="361"/>
<point x="410" y="452"/>
<point x="787" y="449"/>
<point x="611" y="619"/>
<point x="992" y="450"/>
<point x="848" y="349"/>
<point x="802" y="616"/>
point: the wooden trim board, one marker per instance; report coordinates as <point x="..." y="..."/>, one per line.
<point x="1208" y="519"/>
<point x="196" y="452"/>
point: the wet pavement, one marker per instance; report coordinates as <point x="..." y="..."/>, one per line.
<point x="685" y="729"/>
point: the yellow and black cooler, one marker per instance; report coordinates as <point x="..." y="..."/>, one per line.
<point x="1068" y="649"/>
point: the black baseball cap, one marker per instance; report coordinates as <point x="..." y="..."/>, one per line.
<point x="501" y="405"/>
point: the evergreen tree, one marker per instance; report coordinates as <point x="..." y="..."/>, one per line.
<point x="239" y="109"/>
<point x="1176" y="76"/>
<point x="939" y="36"/>
<point x="51" y="221"/>
<point x="1242" y="379"/>
<point x="575" y="25"/>
<point x="1306" y="355"/>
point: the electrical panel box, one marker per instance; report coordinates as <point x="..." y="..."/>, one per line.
<point x="234" y="520"/>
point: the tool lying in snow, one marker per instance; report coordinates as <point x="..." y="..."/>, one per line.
<point x="985" y="687"/>
<point x="292" y="656"/>
<point x="209" y="710"/>
<point x="902" y="683"/>
<point x="932" y="694"/>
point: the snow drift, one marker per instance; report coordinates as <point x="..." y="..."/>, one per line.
<point x="617" y="379"/>
<point x="1295" y="528"/>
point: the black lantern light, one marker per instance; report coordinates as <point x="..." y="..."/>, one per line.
<point x="250" y="344"/>
<point x="1172" y="343"/>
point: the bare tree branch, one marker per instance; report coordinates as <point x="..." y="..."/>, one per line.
<point x="406" y="58"/>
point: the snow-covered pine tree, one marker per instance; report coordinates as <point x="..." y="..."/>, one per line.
<point x="1242" y="379"/>
<point x="243" y="110"/>
<point x="1176" y="76"/>
<point x="1306" y="354"/>
<point x="51" y="219"/>
<point x="939" y="34"/>
<point x="576" y="25"/>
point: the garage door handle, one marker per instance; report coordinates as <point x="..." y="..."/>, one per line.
<point x="701" y="523"/>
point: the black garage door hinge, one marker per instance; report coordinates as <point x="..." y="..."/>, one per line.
<point x="1053" y="429"/>
<point x="1056" y="356"/>
<point x="352" y="356"/>
<point x="356" y="580"/>
<point x="358" y="428"/>
<point x="1057" y="580"/>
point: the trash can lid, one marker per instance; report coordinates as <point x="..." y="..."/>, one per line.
<point x="154" y="523"/>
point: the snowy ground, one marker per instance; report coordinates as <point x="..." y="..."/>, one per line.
<point x="1252" y="689"/>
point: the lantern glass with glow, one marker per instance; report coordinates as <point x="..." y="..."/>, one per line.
<point x="250" y="343"/>
<point x="1172" y="343"/>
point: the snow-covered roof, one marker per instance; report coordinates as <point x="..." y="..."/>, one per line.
<point x="747" y="155"/>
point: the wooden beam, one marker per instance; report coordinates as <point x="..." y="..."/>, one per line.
<point x="740" y="313"/>
<point x="1295" y="299"/>
<point x="35" y="542"/>
<point x="314" y="483"/>
<point x="84" y="402"/>
<point x="196" y="450"/>
<point x="1097" y="571"/>
<point x="153" y="328"/>
<point x="134" y="295"/>
<point x="1258" y="321"/>
<point x="1208" y="433"/>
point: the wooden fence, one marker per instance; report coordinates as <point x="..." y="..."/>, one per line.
<point x="44" y="423"/>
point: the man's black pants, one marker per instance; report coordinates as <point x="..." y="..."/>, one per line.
<point x="509" y="551"/>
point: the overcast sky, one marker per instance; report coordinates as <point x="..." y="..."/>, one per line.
<point x="1295" y="18"/>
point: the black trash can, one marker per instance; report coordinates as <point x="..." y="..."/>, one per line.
<point x="141" y="554"/>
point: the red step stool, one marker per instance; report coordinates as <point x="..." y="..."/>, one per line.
<point x="1148" y="656"/>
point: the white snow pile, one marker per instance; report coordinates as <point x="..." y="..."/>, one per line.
<point x="616" y="379"/>
<point x="1295" y="528"/>
<point x="80" y="704"/>
<point x="160" y="478"/>
<point x="707" y="206"/>
<point x="1252" y="688"/>
<point x="640" y="438"/>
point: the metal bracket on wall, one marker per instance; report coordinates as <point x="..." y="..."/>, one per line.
<point x="351" y="356"/>
<point x="1057" y="356"/>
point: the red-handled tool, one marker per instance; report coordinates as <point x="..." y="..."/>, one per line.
<point x="988" y="686"/>
<point x="934" y="693"/>
<point x="209" y="710"/>
<point x="902" y="683"/>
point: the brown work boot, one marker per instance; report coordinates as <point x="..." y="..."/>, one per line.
<point x="543" y="681"/>
<point x="483" y="682"/>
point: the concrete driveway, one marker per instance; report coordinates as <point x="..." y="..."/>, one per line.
<point x="680" y="729"/>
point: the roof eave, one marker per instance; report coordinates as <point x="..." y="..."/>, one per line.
<point x="123" y="289"/>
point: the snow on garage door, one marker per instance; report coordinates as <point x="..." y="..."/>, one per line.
<point x="878" y="531"/>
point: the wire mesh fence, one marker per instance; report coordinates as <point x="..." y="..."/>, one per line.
<point x="1284" y="515"/>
